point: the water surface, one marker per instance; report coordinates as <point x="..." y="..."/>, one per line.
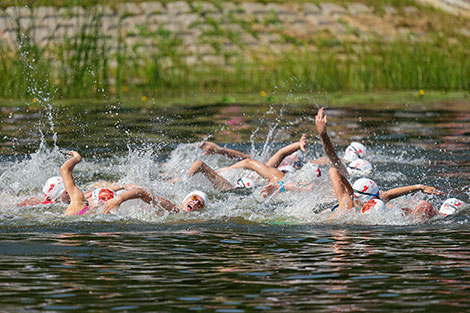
<point x="245" y="253"/>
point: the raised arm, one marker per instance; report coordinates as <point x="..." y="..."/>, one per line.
<point x="77" y="198"/>
<point x="401" y="191"/>
<point x="321" y="125"/>
<point x="211" y="148"/>
<point x="277" y="158"/>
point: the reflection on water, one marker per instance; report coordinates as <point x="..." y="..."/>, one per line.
<point x="245" y="253"/>
<point x="236" y="269"/>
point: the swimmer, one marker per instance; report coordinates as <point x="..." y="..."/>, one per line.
<point x="286" y="160"/>
<point x="212" y="148"/>
<point x="54" y="192"/>
<point x="284" y="156"/>
<point x="363" y="190"/>
<point x="355" y="151"/>
<point x="85" y="203"/>
<point x="195" y="201"/>
<point x="218" y="181"/>
<point x="425" y="210"/>
<point x="452" y="206"/>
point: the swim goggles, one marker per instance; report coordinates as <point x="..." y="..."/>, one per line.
<point x="241" y="183"/>
<point x="298" y="164"/>
<point x="377" y="195"/>
<point x="200" y="203"/>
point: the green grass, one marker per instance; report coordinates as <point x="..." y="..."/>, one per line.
<point x="85" y="73"/>
<point x="80" y="66"/>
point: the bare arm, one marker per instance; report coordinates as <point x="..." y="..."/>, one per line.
<point x="320" y="161"/>
<point x="210" y="148"/>
<point x="321" y="124"/>
<point x="218" y="181"/>
<point x="270" y="173"/>
<point x="401" y="191"/>
<point x="77" y="198"/>
<point x="138" y="193"/>
<point x="121" y="187"/>
<point x="277" y="158"/>
<point x="275" y="187"/>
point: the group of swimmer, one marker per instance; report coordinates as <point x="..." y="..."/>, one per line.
<point x="361" y="197"/>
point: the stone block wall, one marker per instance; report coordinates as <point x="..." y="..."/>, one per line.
<point x="201" y="32"/>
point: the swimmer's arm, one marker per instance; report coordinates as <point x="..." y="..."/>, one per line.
<point x="320" y="161"/>
<point x="275" y="187"/>
<point x="30" y="202"/>
<point x="121" y="187"/>
<point x="136" y="193"/>
<point x="164" y="203"/>
<point x="77" y="198"/>
<point x="210" y="148"/>
<point x="321" y="125"/>
<point x="401" y="191"/>
<point x="277" y="158"/>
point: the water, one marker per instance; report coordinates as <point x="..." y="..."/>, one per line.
<point x="245" y="253"/>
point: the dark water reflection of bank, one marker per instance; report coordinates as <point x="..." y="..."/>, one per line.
<point x="103" y="128"/>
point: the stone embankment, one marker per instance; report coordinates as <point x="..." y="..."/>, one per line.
<point x="201" y="32"/>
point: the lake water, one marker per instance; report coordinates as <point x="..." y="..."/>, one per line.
<point x="245" y="253"/>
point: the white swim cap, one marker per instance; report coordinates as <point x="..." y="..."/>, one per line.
<point x="198" y="193"/>
<point x="365" y="189"/>
<point x="373" y="205"/>
<point x="287" y="169"/>
<point x="360" y="167"/>
<point x="354" y="150"/>
<point x="53" y="188"/>
<point x="102" y="194"/>
<point x="450" y="206"/>
<point x="295" y="160"/>
<point x="246" y="182"/>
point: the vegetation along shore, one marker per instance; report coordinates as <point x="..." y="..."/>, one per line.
<point x="77" y="49"/>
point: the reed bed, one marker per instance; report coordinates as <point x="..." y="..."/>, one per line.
<point x="84" y="66"/>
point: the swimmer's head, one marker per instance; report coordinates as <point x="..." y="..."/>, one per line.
<point x="354" y="151"/>
<point x="360" y="167"/>
<point x="102" y="195"/>
<point x="373" y="205"/>
<point x="296" y="160"/>
<point x="365" y="189"/>
<point x="424" y="210"/>
<point x="246" y="182"/>
<point x="54" y="188"/>
<point x="286" y="169"/>
<point x="195" y="201"/>
<point x="450" y="206"/>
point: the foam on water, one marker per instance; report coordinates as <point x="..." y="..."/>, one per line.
<point x="158" y="174"/>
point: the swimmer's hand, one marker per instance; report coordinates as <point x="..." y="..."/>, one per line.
<point x="210" y="147"/>
<point x="321" y="121"/>
<point x="111" y="204"/>
<point x="430" y="190"/>
<point x="75" y="155"/>
<point x="270" y="189"/>
<point x="303" y="142"/>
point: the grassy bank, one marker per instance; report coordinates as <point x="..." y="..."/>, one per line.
<point x="392" y="66"/>
<point x="83" y="66"/>
<point x="394" y="100"/>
